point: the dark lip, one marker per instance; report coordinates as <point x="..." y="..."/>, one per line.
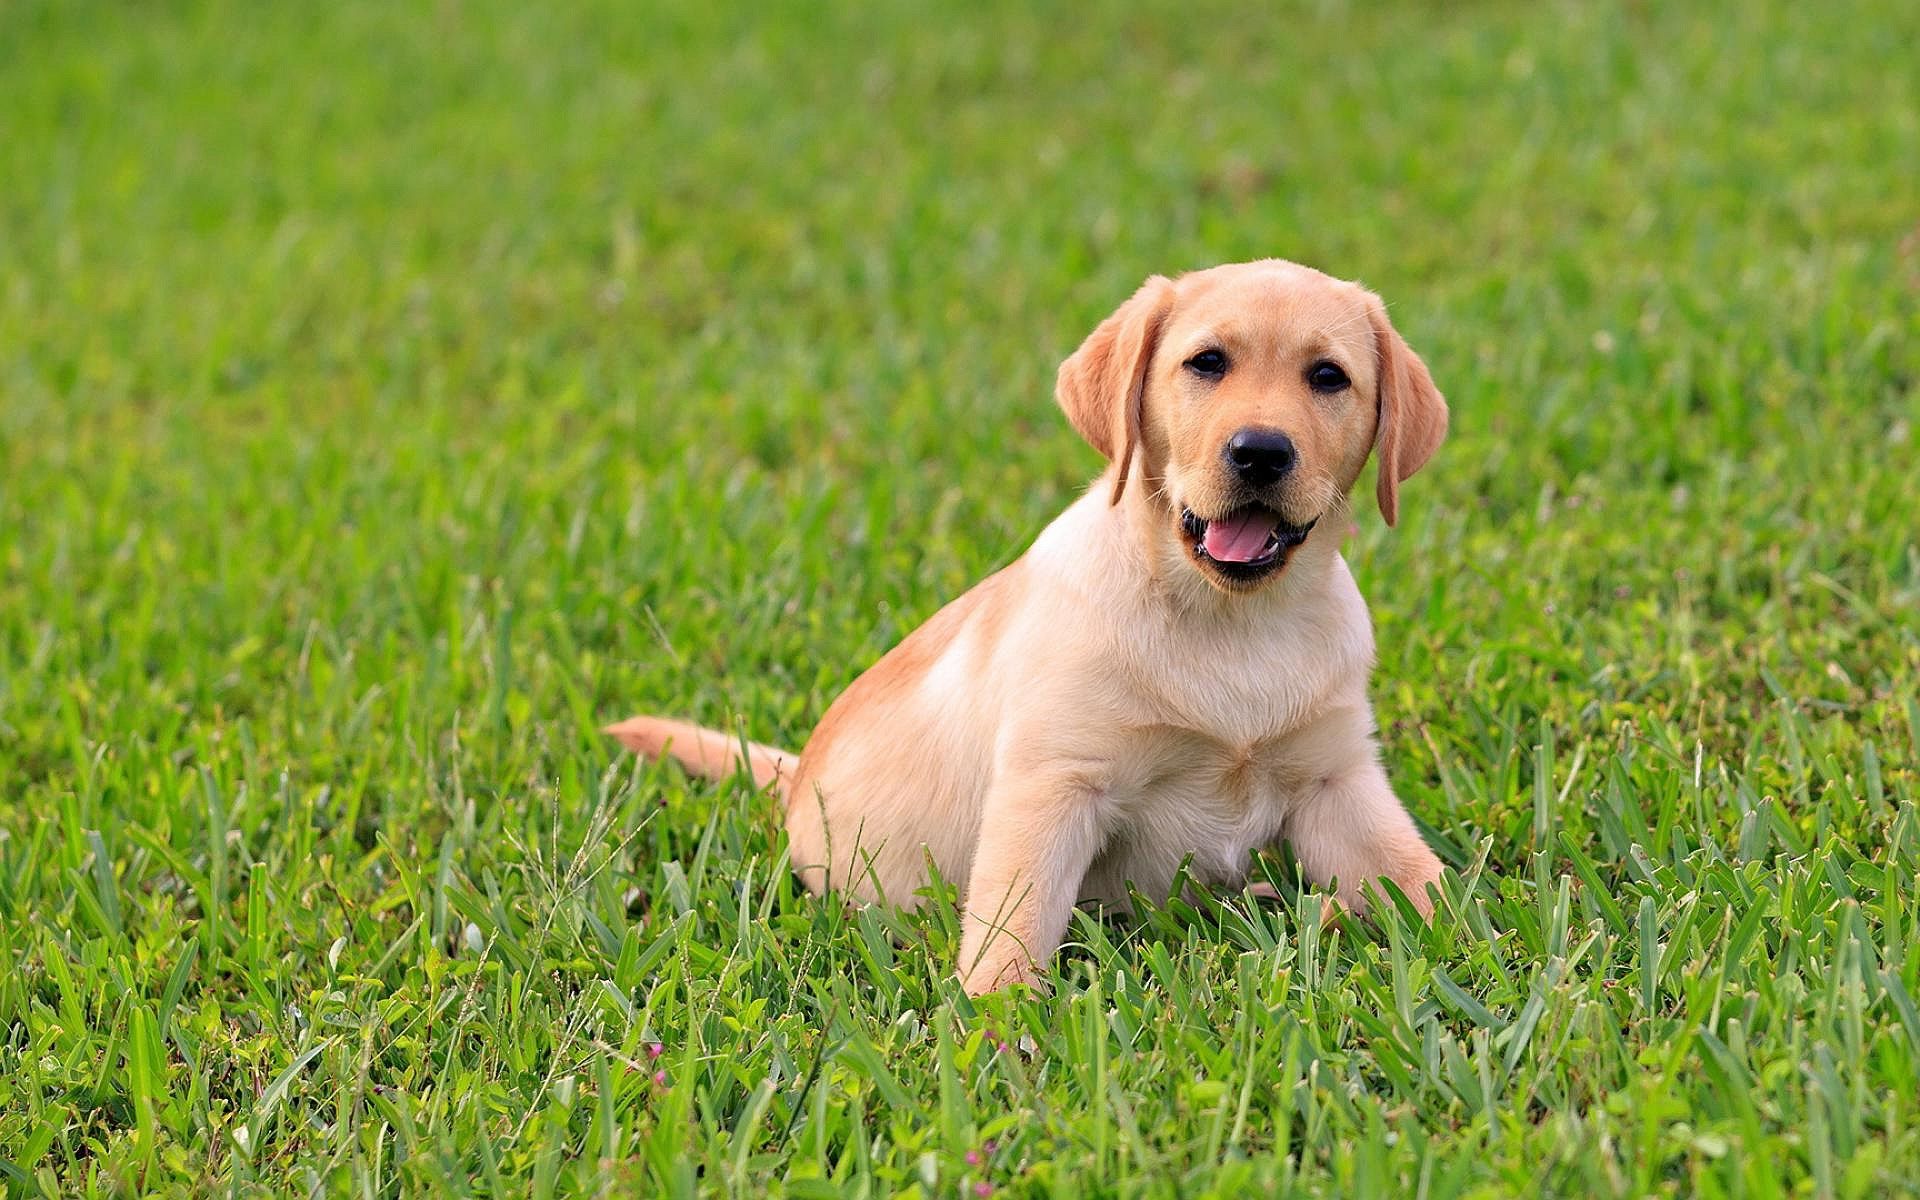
<point x="1286" y="538"/>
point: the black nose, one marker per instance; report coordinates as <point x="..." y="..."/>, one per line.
<point x="1260" y="456"/>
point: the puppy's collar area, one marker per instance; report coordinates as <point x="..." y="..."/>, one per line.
<point x="1246" y="544"/>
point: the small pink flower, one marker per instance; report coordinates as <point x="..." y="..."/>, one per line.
<point x="983" y="1188"/>
<point x="988" y="1148"/>
<point x="660" y="1079"/>
<point x="655" y="1050"/>
<point x="973" y="1158"/>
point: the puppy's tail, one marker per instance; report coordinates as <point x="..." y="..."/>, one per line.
<point x="709" y="753"/>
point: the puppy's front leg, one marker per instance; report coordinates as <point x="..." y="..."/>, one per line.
<point x="1353" y="830"/>
<point x="1037" y="839"/>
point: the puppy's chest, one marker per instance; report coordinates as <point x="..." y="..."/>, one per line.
<point x="1219" y="759"/>
<point x="1185" y="796"/>
<point x="1219" y="780"/>
<point x="1236" y="701"/>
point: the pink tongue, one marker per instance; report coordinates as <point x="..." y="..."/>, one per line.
<point x="1239" y="538"/>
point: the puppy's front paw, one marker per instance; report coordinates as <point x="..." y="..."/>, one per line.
<point x="995" y="969"/>
<point x="1422" y="885"/>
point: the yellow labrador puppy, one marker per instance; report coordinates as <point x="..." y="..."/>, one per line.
<point x="1177" y="667"/>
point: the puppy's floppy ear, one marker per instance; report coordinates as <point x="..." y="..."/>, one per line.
<point x="1412" y="418"/>
<point x="1103" y="384"/>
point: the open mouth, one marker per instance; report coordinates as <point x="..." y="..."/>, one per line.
<point x="1246" y="544"/>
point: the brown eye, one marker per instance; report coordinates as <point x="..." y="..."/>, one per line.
<point x="1326" y="377"/>
<point x="1208" y="362"/>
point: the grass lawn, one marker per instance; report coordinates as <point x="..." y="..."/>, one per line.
<point x="391" y="394"/>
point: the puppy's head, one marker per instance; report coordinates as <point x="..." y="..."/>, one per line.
<point x="1246" y="398"/>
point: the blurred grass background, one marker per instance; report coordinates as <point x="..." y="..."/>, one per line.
<point x="391" y="394"/>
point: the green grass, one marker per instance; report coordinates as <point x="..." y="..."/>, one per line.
<point x="390" y="394"/>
